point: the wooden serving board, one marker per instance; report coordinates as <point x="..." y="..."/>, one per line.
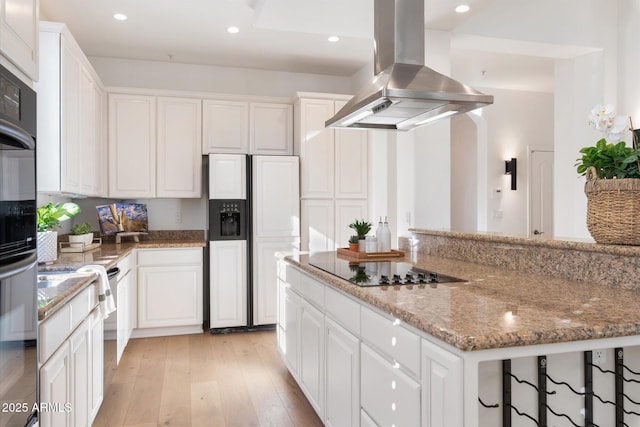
<point x="370" y="255"/>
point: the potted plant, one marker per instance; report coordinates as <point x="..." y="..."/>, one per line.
<point x="362" y="228"/>
<point x="612" y="170"/>
<point x="48" y="217"/>
<point x="81" y="235"/>
<point x="353" y="243"/>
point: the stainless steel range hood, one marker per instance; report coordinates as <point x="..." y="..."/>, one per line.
<point x="404" y="94"/>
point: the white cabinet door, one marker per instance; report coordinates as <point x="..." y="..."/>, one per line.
<point x="70" y="111"/>
<point x="342" y="361"/>
<point x="88" y="164"/>
<point x="315" y="145"/>
<point x="351" y="162"/>
<point x="388" y="395"/>
<point x="100" y="135"/>
<point x="19" y="34"/>
<point x="442" y="384"/>
<point x="225" y="127"/>
<point x="71" y="144"/>
<point x="311" y="367"/>
<point x="132" y="146"/>
<point x="348" y="211"/>
<point x="96" y="388"/>
<point x="270" y="128"/>
<point x="169" y="296"/>
<point x="228" y="287"/>
<point x="265" y="292"/>
<point x="317" y="228"/>
<point x="291" y="329"/>
<point x="80" y="374"/>
<point x="123" y="315"/>
<point x="55" y="388"/>
<point x="227" y="176"/>
<point x="179" y="156"/>
<point x="276" y="196"/>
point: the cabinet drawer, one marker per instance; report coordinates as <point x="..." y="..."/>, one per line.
<point x="387" y="335"/>
<point x="388" y="396"/>
<point x="288" y="273"/>
<point x="124" y="265"/>
<point x="345" y="310"/>
<point x="80" y="307"/>
<point x="309" y="288"/>
<point x="53" y="331"/>
<point x="169" y="256"/>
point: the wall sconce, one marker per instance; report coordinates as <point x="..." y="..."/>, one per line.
<point x="510" y="168"/>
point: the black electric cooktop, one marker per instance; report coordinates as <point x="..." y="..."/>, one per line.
<point x="378" y="273"/>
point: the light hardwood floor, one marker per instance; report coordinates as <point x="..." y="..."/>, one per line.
<point x="236" y="379"/>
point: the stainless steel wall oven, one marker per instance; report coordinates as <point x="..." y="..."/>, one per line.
<point x="18" y="260"/>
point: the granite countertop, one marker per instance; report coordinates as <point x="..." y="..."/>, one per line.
<point x="496" y="308"/>
<point x="107" y="255"/>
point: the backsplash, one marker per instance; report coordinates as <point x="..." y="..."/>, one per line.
<point x="610" y="265"/>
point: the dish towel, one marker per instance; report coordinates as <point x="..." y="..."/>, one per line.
<point x="105" y="298"/>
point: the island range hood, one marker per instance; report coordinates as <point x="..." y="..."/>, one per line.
<point x="404" y="93"/>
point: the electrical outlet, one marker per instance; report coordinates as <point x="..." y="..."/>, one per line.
<point x="178" y="217"/>
<point x="599" y="357"/>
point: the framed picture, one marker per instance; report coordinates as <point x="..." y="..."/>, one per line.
<point x="122" y="217"/>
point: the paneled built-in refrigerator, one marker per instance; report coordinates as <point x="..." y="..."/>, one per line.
<point x="254" y="211"/>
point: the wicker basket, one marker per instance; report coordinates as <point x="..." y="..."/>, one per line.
<point x="613" y="209"/>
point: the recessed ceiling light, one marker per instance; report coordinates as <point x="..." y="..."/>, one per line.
<point x="463" y="8"/>
<point x="120" y="16"/>
<point x="333" y="39"/>
<point x="233" y="30"/>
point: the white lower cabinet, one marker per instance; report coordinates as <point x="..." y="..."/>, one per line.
<point x="71" y="380"/>
<point x="342" y="363"/>
<point x="96" y="364"/>
<point x="55" y="388"/>
<point x="169" y="287"/>
<point x="388" y="395"/>
<point x="311" y="371"/>
<point x="80" y="374"/>
<point x="360" y="367"/>
<point x="442" y="382"/>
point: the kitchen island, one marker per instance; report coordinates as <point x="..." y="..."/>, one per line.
<point x="448" y="346"/>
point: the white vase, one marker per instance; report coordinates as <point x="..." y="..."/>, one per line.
<point x="47" y="246"/>
<point x="80" y="240"/>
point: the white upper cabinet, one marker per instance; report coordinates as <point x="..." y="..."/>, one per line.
<point x="179" y="156"/>
<point x="70" y="118"/>
<point x="154" y="146"/>
<point x="271" y="128"/>
<point x="244" y="127"/>
<point x="132" y="146"/>
<point x="225" y="127"/>
<point x="315" y="145"/>
<point x="19" y="34"/>
<point x="351" y="162"/>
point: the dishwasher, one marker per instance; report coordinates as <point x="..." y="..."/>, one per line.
<point x="110" y="332"/>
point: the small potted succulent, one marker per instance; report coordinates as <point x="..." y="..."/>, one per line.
<point x="81" y="235"/>
<point x="48" y="217"/>
<point x="362" y="228"/>
<point x="353" y="243"/>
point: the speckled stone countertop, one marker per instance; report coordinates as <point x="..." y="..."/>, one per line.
<point x="496" y="308"/>
<point x="107" y="255"/>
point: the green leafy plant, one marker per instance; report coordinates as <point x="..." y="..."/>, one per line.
<point x="362" y="228"/>
<point x="49" y="216"/>
<point x="610" y="160"/>
<point x="353" y="239"/>
<point x="79" y="229"/>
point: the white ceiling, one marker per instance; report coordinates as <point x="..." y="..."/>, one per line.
<point x="288" y="35"/>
